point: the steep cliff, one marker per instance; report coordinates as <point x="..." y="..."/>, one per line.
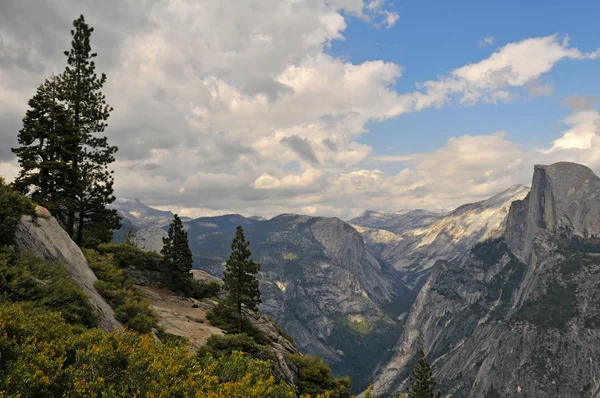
<point x="521" y="315"/>
<point x="47" y="240"/>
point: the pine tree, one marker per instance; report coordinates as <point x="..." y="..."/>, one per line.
<point x="43" y="154"/>
<point x="91" y="187"/>
<point x="422" y="383"/>
<point x="240" y="277"/>
<point x="177" y="256"/>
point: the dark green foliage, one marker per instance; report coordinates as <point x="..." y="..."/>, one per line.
<point x="177" y="256"/>
<point x="64" y="163"/>
<point x="573" y="243"/>
<point x="200" y="290"/>
<point x="240" y="276"/>
<point x="91" y="188"/>
<point x="45" y="142"/>
<point x="128" y="255"/>
<point x="225" y="345"/>
<point x="552" y="310"/>
<point x="117" y="288"/>
<point x="25" y="278"/>
<point x="422" y="383"/>
<point x="12" y="206"/>
<point x="490" y="251"/>
<point x="225" y="317"/>
<point x="316" y="378"/>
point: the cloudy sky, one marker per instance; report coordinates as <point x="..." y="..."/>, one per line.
<point x="324" y="107"/>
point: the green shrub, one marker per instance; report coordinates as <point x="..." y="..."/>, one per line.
<point x="200" y="290"/>
<point x="225" y="345"/>
<point x="225" y="318"/>
<point x="128" y="255"/>
<point x="43" y="356"/>
<point x="552" y="310"/>
<point x="24" y="277"/>
<point x="117" y="289"/>
<point x="316" y="378"/>
<point x="12" y="206"/>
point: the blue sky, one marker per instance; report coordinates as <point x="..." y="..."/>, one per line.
<point x="432" y="38"/>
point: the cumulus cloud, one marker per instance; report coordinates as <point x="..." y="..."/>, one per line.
<point x="302" y="147"/>
<point x="486" y="41"/>
<point x="214" y="100"/>
<point x="537" y="89"/>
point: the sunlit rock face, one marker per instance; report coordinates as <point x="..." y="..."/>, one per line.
<point x="413" y="241"/>
<point x="520" y="316"/>
<point x="45" y="238"/>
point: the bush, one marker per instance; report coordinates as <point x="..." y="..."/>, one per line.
<point x="43" y="356"/>
<point x="200" y="290"/>
<point x="128" y="255"/>
<point x="225" y="345"/>
<point x="316" y="378"/>
<point x="12" y="206"/>
<point x="225" y="318"/>
<point x="24" y="277"/>
<point x="117" y="289"/>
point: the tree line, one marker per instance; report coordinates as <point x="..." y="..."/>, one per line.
<point x="63" y="156"/>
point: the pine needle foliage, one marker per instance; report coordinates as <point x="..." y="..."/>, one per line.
<point x="241" y="282"/>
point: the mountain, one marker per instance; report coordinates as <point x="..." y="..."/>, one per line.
<point x="520" y="315"/>
<point x="319" y="280"/>
<point x="135" y="216"/>
<point x="397" y="222"/>
<point x="139" y="215"/>
<point x="430" y="237"/>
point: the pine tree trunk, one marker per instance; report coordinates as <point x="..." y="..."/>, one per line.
<point x="239" y="310"/>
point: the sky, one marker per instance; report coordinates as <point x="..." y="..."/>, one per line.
<point x="327" y="108"/>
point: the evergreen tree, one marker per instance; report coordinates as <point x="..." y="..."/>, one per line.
<point x="240" y="277"/>
<point x="177" y="256"/>
<point x="91" y="187"/>
<point x="422" y="383"/>
<point x="43" y="154"/>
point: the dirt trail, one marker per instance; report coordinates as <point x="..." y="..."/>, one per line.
<point x="178" y="317"/>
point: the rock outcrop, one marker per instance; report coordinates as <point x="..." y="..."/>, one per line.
<point x="520" y="316"/>
<point x="43" y="236"/>
<point x="564" y="197"/>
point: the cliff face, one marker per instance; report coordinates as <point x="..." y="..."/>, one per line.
<point x="564" y="197"/>
<point x="46" y="239"/>
<point x="520" y="316"/>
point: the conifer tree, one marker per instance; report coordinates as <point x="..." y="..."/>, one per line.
<point x="43" y="151"/>
<point x="91" y="187"/>
<point x="240" y="277"/>
<point x="177" y="256"/>
<point x="422" y="383"/>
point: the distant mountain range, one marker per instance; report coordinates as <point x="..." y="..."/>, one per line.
<point x="413" y="241"/>
<point x="340" y="289"/>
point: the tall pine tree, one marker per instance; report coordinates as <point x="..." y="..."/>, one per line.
<point x="43" y="152"/>
<point x="91" y="188"/>
<point x="240" y="277"/>
<point x="177" y="256"/>
<point x="422" y="383"/>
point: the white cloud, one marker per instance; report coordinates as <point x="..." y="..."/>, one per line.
<point x="486" y="41"/>
<point x="209" y="94"/>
